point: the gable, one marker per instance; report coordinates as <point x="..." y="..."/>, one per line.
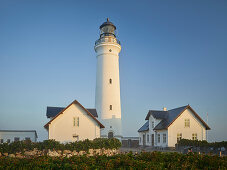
<point x="168" y="117"/>
<point x="188" y="114"/>
<point x="79" y="105"/>
<point x="194" y="114"/>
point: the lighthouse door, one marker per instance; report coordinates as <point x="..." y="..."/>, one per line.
<point x="110" y="135"/>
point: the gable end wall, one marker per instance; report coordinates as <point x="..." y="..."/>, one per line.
<point x="62" y="129"/>
<point x="178" y="127"/>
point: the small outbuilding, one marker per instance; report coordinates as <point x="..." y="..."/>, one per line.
<point x="17" y="135"/>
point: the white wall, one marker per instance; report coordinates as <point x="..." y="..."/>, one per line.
<point x="161" y="143"/>
<point x="21" y="134"/>
<point x="108" y="93"/>
<point x="178" y="126"/>
<point x="62" y="129"/>
<point x="151" y="131"/>
<point x="141" y="137"/>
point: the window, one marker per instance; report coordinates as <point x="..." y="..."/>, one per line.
<point x="179" y="137"/>
<point x="158" y="138"/>
<point x="8" y="140"/>
<point x="110" y="126"/>
<point x="16" y="139"/>
<point x="110" y="81"/>
<point x="187" y="123"/>
<point x="76" y="121"/>
<point x="140" y="139"/>
<point x="110" y="107"/>
<point x="194" y="136"/>
<point x="27" y="138"/>
<point x="152" y="123"/>
<point x="1" y="141"/>
<point x="164" y="138"/>
<point x="147" y="138"/>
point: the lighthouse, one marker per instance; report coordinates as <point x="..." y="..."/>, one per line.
<point x="107" y="96"/>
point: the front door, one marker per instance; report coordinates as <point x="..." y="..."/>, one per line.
<point x="152" y="139"/>
<point x="110" y="135"/>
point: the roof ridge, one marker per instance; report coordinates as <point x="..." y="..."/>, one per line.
<point x="179" y="107"/>
<point x="158" y="110"/>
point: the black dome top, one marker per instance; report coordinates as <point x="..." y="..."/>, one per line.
<point x="107" y="23"/>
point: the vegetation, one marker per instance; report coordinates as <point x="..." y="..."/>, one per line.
<point x="21" y="146"/>
<point x="204" y="143"/>
<point x="145" y="160"/>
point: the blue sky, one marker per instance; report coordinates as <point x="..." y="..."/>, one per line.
<point x="174" y="53"/>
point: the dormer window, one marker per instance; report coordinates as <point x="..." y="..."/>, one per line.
<point x="152" y="124"/>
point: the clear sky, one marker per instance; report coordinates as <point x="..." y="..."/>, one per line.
<point x="174" y="53"/>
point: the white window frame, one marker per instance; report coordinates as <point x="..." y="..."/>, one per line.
<point x="76" y="121"/>
<point x="159" y="138"/>
<point x="187" y="123"/>
<point x="179" y="136"/>
<point x="164" y="138"/>
<point x="194" y="136"/>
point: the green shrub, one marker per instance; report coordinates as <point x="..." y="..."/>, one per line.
<point x="151" y="160"/>
<point x="85" y="145"/>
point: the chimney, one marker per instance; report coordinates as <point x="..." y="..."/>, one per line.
<point x="164" y="109"/>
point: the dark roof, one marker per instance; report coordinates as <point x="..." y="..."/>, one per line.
<point x="157" y="114"/>
<point x="107" y="23"/>
<point x="145" y="127"/>
<point x="93" y="112"/>
<point x="74" y="102"/>
<point x="53" y="111"/>
<point x="168" y="117"/>
<point x="20" y="131"/>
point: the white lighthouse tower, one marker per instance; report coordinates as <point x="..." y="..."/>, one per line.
<point x="107" y="99"/>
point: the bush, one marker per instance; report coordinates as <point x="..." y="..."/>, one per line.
<point x="85" y="145"/>
<point x="153" y="160"/>
<point x="203" y="143"/>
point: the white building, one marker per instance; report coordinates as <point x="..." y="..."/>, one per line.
<point x="107" y="101"/>
<point x="72" y="123"/>
<point x="17" y="135"/>
<point x="164" y="128"/>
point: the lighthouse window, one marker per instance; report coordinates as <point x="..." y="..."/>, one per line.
<point x="110" y="81"/>
<point x="110" y="107"/>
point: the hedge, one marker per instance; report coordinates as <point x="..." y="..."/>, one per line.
<point x="203" y="143"/>
<point x="98" y="143"/>
<point x="153" y="160"/>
